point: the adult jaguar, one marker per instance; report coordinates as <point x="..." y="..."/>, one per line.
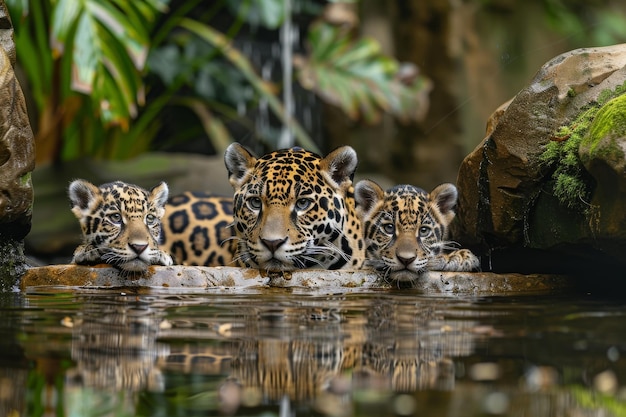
<point x="295" y="210"/>
<point x="197" y="229"/>
<point x="121" y="224"/>
<point x="406" y="228"/>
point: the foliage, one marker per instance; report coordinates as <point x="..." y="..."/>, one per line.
<point x="103" y="73"/>
<point x="585" y="22"/>
<point x="354" y="75"/>
<point x="84" y="62"/>
<point x="570" y="178"/>
<point x="243" y="65"/>
<point x="599" y="402"/>
<point x="573" y="185"/>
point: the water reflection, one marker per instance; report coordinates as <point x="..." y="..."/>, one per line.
<point x="374" y="353"/>
<point x="114" y="346"/>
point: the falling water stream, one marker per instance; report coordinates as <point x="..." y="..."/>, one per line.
<point x="287" y="35"/>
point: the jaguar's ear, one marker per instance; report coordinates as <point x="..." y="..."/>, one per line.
<point x="159" y="194"/>
<point x="239" y="161"/>
<point x="82" y="193"/>
<point x="367" y="195"/>
<point x="445" y="196"/>
<point x="340" y="164"/>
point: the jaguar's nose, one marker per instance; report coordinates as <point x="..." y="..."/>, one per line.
<point x="138" y="248"/>
<point x="273" y="244"/>
<point x="406" y="260"/>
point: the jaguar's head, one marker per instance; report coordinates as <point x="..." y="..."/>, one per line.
<point x="294" y="209"/>
<point x="405" y="227"/>
<point x="121" y="223"/>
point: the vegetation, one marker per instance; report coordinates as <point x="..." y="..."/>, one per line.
<point x="105" y="74"/>
<point x="573" y="185"/>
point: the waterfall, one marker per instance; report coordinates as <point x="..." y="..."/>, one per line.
<point x="287" y="34"/>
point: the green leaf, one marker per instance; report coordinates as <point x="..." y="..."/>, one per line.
<point x="134" y="39"/>
<point x="267" y="13"/>
<point x="86" y="55"/>
<point x="357" y="77"/>
<point x="64" y="19"/>
<point x="109" y="43"/>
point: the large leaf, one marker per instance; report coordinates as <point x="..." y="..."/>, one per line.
<point x="357" y="77"/>
<point x="267" y="13"/>
<point x="108" y="40"/>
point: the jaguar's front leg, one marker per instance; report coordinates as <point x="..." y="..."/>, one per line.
<point x="462" y="260"/>
<point x="86" y="255"/>
<point x="163" y="258"/>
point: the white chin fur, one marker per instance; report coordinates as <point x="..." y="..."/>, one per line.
<point x="136" y="265"/>
<point x="404" y="276"/>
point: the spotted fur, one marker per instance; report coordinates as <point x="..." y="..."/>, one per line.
<point x="294" y="209"/>
<point x="121" y="224"/>
<point x="406" y="230"/>
<point x="197" y="229"/>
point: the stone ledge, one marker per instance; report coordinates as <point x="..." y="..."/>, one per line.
<point x="202" y="278"/>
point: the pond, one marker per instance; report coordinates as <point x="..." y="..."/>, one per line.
<point x="297" y="352"/>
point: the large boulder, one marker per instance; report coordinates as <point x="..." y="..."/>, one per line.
<point x="17" y="161"/>
<point x="546" y="188"/>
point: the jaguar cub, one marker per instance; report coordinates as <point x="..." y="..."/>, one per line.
<point x="121" y="224"/>
<point x="294" y="209"/>
<point x="406" y="230"/>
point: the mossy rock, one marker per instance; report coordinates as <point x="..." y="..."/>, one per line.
<point x="602" y="152"/>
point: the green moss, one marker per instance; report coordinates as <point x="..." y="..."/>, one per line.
<point x="572" y="183"/>
<point x="610" y="122"/>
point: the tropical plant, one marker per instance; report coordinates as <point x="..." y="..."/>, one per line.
<point x="103" y="73"/>
<point x="356" y="76"/>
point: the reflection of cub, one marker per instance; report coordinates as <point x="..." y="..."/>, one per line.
<point x="121" y="224"/>
<point x="406" y="230"/>
<point x="114" y="350"/>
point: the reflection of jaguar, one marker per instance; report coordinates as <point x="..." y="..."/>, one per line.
<point x="406" y="230"/>
<point x="294" y="209"/>
<point x="116" y="348"/>
<point x="387" y="347"/>
<point x="394" y="348"/>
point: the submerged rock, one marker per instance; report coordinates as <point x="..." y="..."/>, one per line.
<point x="545" y="190"/>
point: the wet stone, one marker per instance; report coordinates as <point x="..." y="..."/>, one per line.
<point x="192" y="278"/>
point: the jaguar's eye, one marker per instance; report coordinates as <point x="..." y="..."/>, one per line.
<point x="388" y="228"/>
<point x="115" y="218"/>
<point x="254" y="203"/>
<point x="425" y="231"/>
<point x="150" y="219"/>
<point x="302" y="204"/>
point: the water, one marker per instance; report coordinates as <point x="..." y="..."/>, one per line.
<point x="277" y="352"/>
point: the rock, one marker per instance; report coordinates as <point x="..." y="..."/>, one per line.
<point x="194" y="278"/>
<point x="17" y="161"/>
<point x="507" y="199"/>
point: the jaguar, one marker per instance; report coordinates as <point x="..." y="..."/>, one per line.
<point x="120" y="223"/>
<point x="294" y="209"/>
<point x="406" y="230"/>
<point x="197" y="229"/>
